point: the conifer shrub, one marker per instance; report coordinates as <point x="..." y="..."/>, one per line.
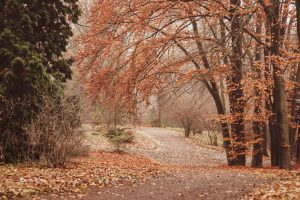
<point x="119" y="137"/>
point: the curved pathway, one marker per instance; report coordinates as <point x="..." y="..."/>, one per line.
<point x="199" y="172"/>
<point x="171" y="148"/>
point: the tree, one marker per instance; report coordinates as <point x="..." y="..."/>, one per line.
<point x="273" y="16"/>
<point x="186" y="110"/>
<point x="152" y="49"/>
<point x="143" y="47"/>
<point x="33" y="37"/>
<point x="258" y="148"/>
<point x="236" y="96"/>
<point x="296" y="95"/>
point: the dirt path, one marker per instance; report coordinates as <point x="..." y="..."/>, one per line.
<point x="197" y="173"/>
<point x="172" y="148"/>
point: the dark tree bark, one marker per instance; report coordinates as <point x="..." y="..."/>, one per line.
<point x="298" y="18"/>
<point x="187" y="123"/>
<point x="225" y="126"/>
<point x="296" y="107"/>
<point x="225" y="129"/>
<point x="269" y="105"/>
<point x="281" y="116"/>
<point x="257" y="158"/>
<point x="279" y="93"/>
<point x="236" y="96"/>
<point x="295" y="113"/>
<point x="265" y="139"/>
<point x="275" y="146"/>
<point x="297" y="91"/>
<point x="212" y="87"/>
<point x="273" y="16"/>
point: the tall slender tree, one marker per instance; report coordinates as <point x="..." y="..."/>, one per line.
<point x="236" y="96"/>
<point x="257" y="158"/>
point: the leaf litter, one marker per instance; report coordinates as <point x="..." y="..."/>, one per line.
<point x="99" y="169"/>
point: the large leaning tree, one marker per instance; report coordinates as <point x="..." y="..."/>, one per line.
<point x="33" y="37"/>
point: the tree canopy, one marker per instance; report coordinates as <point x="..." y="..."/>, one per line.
<point x="132" y="49"/>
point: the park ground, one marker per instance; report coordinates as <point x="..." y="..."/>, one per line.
<point x="159" y="164"/>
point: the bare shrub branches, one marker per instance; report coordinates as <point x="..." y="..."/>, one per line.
<point x="52" y="135"/>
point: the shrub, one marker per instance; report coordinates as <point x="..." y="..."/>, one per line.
<point x="119" y="137"/>
<point x="155" y="123"/>
<point x="31" y="60"/>
<point x="52" y="135"/>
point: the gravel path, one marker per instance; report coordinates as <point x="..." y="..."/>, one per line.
<point x="172" y="148"/>
<point x="199" y="173"/>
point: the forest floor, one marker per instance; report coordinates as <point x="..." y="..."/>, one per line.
<point x="160" y="164"/>
<point x="196" y="172"/>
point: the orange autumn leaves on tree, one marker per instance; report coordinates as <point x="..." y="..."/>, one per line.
<point x="123" y="39"/>
<point x="134" y="48"/>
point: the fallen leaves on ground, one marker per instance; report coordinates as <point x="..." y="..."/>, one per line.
<point x="98" y="169"/>
<point x="141" y="143"/>
<point x="279" y="184"/>
<point x="283" y="184"/>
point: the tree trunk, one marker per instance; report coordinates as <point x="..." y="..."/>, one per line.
<point x="296" y="112"/>
<point x="186" y="124"/>
<point x="257" y="157"/>
<point x="210" y="137"/>
<point x="236" y="96"/>
<point x="274" y="135"/>
<point x="281" y="116"/>
<point x="221" y="104"/>
<point x="222" y="93"/>
<point x="298" y="19"/>
<point x="273" y="14"/>
<point x="159" y="108"/>
<point x="224" y="127"/>
<point x="265" y="139"/>
<point x="297" y="95"/>
<point x="187" y="129"/>
<point x="279" y="91"/>
<point x="214" y="91"/>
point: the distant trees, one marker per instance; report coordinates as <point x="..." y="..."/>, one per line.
<point x="33" y="37"/>
<point x="242" y="51"/>
<point x="185" y="111"/>
<point x="188" y="109"/>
